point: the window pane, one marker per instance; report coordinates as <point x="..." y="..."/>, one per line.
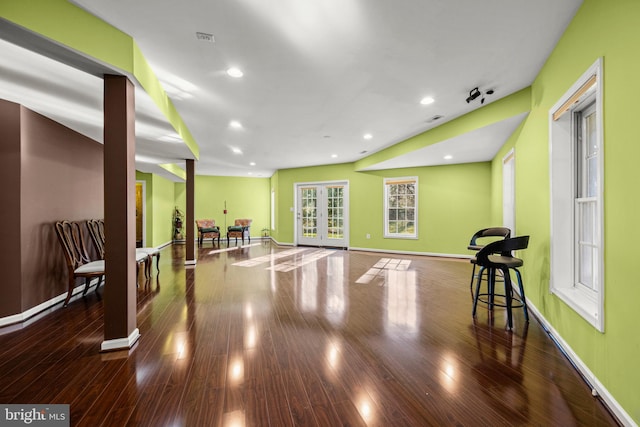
<point x="401" y="205"/>
<point x="586" y="266"/>
<point x="587" y="222"/>
<point x="591" y="135"/>
<point x="592" y="176"/>
<point x="411" y="227"/>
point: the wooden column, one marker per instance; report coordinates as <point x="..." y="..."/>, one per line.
<point x="120" y="331"/>
<point x="190" y="258"/>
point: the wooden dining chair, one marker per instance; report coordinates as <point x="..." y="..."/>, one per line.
<point x="79" y="264"/>
<point x="143" y="255"/>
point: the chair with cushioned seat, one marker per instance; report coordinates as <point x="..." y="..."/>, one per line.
<point x="478" y="241"/>
<point x="77" y="258"/>
<point x="497" y="256"/>
<point x="143" y="255"/>
<point x="207" y="229"/>
<point x="240" y="229"/>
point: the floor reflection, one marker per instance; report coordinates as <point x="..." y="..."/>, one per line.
<point x="499" y="370"/>
<point x="401" y="302"/>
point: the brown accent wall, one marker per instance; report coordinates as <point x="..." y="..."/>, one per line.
<point x="10" y="279"/>
<point x="60" y="176"/>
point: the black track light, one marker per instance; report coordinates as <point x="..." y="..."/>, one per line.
<point x="475" y="93"/>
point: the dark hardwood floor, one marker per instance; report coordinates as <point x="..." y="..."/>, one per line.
<point x="275" y="336"/>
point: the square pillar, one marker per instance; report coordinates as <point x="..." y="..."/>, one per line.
<point x="190" y="258"/>
<point x="120" y="328"/>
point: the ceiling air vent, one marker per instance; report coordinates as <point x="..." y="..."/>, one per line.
<point x="434" y="118"/>
<point x="205" y="37"/>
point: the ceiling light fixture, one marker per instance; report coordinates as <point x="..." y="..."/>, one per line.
<point x="367" y="136"/>
<point x="448" y="157"/>
<point x="475" y="94"/>
<point x="236" y="150"/>
<point x="427" y="100"/>
<point x="235" y="124"/>
<point x="252" y="164"/>
<point x="333" y="156"/>
<point x="235" y="72"/>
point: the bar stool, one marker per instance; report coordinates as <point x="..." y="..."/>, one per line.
<point x="497" y="256"/>
<point x="475" y="244"/>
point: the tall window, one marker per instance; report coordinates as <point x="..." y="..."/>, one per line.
<point x="576" y="174"/>
<point x="586" y="201"/>
<point x="401" y="207"/>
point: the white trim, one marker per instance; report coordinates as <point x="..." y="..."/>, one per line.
<point x="385" y="223"/>
<point x="32" y="313"/>
<point x="282" y="243"/>
<point x="596" y="386"/>
<point x="389" y="251"/>
<point x="190" y="262"/>
<point x="562" y="217"/>
<point x="170" y="242"/>
<point x="121" y="343"/>
<point x="509" y="162"/>
<point x="323" y="184"/>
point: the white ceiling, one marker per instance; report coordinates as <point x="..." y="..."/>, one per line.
<point x="318" y="75"/>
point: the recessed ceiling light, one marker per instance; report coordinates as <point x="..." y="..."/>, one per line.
<point x="252" y="164"/>
<point x="236" y="150"/>
<point x="367" y="136"/>
<point x="235" y="72"/>
<point x="427" y="100"/>
<point x="250" y="173"/>
<point x="235" y="124"/>
<point x="333" y="156"/>
<point x="448" y="157"/>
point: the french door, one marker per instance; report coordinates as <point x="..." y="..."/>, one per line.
<point x="322" y="213"/>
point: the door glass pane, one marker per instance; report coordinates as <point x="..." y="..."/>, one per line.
<point x="335" y="214"/>
<point x="309" y="212"/>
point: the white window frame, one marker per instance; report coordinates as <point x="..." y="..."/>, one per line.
<point x="388" y="182"/>
<point x="563" y="277"/>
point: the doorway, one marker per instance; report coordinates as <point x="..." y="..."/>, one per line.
<point x="140" y="213"/>
<point x="322" y="214"/>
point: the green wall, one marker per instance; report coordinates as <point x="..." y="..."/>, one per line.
<point x="245" y="198"/>
<point x="607" y="29"/>
<point x="160" y="201"/>
<point x="453" y="202"/>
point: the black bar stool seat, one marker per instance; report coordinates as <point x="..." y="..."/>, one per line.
<point x="497" y="256"/>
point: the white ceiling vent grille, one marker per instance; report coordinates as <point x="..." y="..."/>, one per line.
<point x="205" y="37"/>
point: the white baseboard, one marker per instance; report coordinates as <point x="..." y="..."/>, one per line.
<point x="121" y="343"/>
<point x="390" y="251"/>
<point x="21" y="320"/>
<point x="589" y="377"/>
